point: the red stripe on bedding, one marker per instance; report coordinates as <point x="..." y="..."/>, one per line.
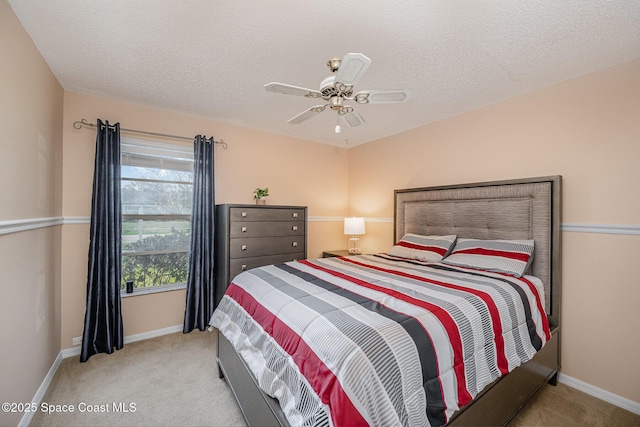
<point x="532" y="287"/>
<point x="545" y="321"/>
<point x="445" y="319"/>
<point x="437" y="249"/>
<point x="320" y="377"/>
<point x="519" y="256"/>
<point x="496" y="324"/>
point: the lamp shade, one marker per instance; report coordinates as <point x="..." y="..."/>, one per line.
<point x="354" y="226"/>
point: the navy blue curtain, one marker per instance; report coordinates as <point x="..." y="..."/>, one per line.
<point x="103" y="319"/>
<point x="200" y="282"/>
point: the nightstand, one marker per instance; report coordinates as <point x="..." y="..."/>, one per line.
<point x="329" y="254"/>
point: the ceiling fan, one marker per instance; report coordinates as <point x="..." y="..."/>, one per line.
<point x="338" y="88"/>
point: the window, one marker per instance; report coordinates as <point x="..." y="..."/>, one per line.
<point x="157" y="192"/>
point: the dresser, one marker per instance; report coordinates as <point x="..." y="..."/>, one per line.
<point x="249" y="236"/>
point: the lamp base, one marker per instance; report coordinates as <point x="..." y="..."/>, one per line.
<point x="354" y="250"/>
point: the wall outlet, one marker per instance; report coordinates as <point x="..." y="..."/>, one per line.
<point x="77" y="341"/>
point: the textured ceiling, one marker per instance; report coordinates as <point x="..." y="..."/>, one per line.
<point x="212" y="58"/>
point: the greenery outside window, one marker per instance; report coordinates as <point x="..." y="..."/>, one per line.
<point x="157" y="192"/>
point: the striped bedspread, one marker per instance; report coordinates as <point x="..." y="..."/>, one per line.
<point x="374" y="340"/>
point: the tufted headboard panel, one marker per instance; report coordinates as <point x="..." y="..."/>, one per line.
<point x="514" y="209"/>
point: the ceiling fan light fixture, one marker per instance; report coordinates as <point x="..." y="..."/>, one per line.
<point x="336" y="102"/>
<point x="335" y="89"/>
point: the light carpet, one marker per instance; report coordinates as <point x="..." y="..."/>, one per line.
<point x="172" y="380"/>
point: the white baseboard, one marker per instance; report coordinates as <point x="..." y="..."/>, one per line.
<point x="601" y="394"/>
<point x="75" y="351"/>
<point x="26" y="418"/>
<point x="153" y="334"/>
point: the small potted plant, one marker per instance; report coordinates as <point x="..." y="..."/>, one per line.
<point x="259" y="194"/>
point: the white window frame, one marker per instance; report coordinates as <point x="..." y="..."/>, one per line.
<point x="164" y="153"/>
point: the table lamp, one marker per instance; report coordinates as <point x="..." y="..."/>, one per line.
<point x="354" y="226"/>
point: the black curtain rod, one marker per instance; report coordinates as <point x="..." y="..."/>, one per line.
<point x="78" y="125"/>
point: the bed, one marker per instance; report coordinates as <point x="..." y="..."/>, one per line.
<point x="404" y="347"/>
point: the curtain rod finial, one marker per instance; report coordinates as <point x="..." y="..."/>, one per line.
<point x="79" y="123"/>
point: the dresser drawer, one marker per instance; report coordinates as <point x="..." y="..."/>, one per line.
<point x="259" y="246"/>
<point x="237" y="266"/>
<point x="249" y="236"/>
<point x="239" y="229"/>
<point x="265" y="214"/>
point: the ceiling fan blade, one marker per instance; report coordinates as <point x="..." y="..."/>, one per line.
<point x="353" y="118"/>
<point x="306" y="115"/>
<point x="381" y="96"/>
<point x="292" y="90"/>
<point x="352" y="68"/>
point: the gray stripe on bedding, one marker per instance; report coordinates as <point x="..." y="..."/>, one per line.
<point x="518" y="342"/>
<point x="369" y="341"/>
<point x="449" y="273"/>
<point x="463" y="323"/>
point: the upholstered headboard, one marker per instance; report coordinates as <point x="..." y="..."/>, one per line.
<point x="514" y="209"/>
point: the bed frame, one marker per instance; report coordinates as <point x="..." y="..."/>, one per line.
<point x="514" y="209"/>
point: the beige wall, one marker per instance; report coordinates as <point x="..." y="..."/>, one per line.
<point x="297" y="173"/>
<point x="30" y="184"/>
<point x="588" y="131"/>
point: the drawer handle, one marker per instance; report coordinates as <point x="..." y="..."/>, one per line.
<point x="295" y="214"/>
<point x="294" y="228"/>
<point x="243" y="229"/>
<point x="294" y="244"/>
<point x="244" y="247"/>
<point x="244" y="267"/>
<point x="243" y="214"/>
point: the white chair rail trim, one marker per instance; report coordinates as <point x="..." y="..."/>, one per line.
<point x="18" y="225"/>
<point x="341" y="218"/>
<point x="601" y="228"/>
